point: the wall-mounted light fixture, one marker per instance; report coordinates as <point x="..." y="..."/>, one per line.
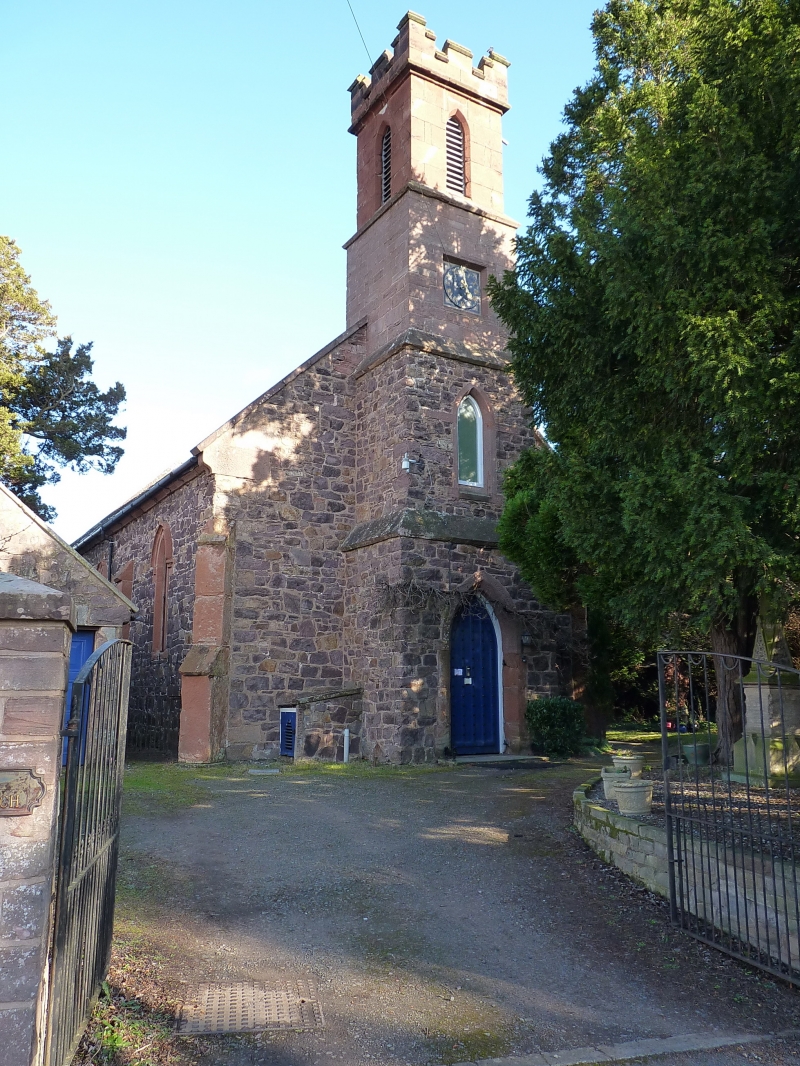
<point x="527" y="641"/>
<point x="408" y="462"/>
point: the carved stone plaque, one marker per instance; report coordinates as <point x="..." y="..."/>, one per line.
<point x="21" y="791"/>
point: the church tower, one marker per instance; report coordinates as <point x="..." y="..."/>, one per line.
<point x="431" y="227"/>
<point x="435" y="617"/>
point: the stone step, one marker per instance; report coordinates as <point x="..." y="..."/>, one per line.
<point x="505" y="761"/>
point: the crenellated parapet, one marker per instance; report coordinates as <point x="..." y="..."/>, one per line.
<point x="415" y="49"/>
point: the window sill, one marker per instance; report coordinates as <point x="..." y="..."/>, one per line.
<point x="475" y="492"/>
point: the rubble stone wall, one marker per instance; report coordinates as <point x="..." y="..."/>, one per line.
<point x="155" y="703"/>
<point x="409" y="403"/>
<point x="290" y="519"/>
<point x="401" y="655"/>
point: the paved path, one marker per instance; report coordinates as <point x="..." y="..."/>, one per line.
<point x="445" y="917"/>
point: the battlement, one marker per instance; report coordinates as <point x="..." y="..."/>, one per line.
<point x="415" y="49"/>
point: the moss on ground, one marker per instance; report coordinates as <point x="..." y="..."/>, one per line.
<point x="469" y="1040"/>
<point x="155" y="788"/>
<point x="152" y="788"/>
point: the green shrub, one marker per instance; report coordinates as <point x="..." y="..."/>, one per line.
<point x="556" y="724"/>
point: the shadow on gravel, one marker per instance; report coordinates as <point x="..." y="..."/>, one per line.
<point x="445" y="916"/>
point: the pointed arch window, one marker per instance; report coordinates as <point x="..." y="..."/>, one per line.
<point x="162" y="565"/>
<point x="456" y="168"/>
<point x="386" y="165"/>
<point x="470" y="443"/>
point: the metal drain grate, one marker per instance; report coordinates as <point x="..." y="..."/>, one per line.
<point x="247" y="1007"/>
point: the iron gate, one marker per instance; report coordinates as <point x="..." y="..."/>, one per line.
<point x="87" y="862"/>
<point x="732" y="830"/>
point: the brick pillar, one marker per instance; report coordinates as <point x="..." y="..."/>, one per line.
<point x="36" y="624"/>
<point x="204" y="670"/>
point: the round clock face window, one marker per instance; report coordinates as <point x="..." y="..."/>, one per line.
<point x="462" y="288"/>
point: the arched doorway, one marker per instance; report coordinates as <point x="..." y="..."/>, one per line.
<point x="475" y="687"/>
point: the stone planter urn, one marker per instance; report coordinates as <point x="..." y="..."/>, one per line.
<point x="633" y="763"/>
<point x="611" y="778"/>
<point x="634" y="797"/>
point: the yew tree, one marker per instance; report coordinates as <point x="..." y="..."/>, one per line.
<point x="52" y="415"/>
<point x="654" y="328"/>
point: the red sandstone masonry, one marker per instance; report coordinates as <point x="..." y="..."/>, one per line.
<point x="414" y="90"/>
<point x="33" y="670"/>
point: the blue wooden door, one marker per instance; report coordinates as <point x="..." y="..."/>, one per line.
<point x="474" y="685"/>
<point x="81" y="648"/>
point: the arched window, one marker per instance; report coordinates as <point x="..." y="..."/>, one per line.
<point x="386" y="166"/>
<point x="456" y="170"/>
<point x="162" y="564"/>
<point x="470" y="443"/>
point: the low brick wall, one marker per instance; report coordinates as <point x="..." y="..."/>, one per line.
<point x="637" y="849"/>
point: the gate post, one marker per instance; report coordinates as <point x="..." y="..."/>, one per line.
<point x="36" y="623"/>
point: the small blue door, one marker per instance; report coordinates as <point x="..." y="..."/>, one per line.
<point x="474" y="684"/>
<point x="81" y="648"/>
<point x="288" y="732"/>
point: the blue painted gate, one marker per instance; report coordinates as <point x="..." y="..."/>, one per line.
<point x="474" y="685"/>
<point x="81" y="648"/>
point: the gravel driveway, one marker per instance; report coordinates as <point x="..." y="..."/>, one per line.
<point x="444" y="915"/>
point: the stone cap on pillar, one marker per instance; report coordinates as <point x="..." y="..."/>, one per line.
<point x="205" y="660"/>
<point x="23" y="600"/>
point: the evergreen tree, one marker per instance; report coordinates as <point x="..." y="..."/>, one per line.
<point x="654" y="328"/>
<point x="51" y="412"/>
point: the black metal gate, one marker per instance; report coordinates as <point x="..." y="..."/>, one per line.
<point x="87" y="864"/>
<point x="732" y="830"/>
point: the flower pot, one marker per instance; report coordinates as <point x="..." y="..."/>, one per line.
<point x="634" y="796"/>
<point x="633" y="763"/>
<point x="697" y="754"/>
<point x="611" y="778"/>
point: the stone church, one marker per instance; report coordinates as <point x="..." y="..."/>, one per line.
<point x="327" y="559"/>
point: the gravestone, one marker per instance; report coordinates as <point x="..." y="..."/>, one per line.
<point x="769" y="751"/>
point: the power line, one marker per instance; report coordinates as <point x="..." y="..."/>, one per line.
<point x="360" y="34"/>
<point x="383" y="98"/>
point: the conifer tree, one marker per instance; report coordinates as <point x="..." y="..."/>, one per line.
<point x="654" y="318"/>
<point x="51" y="413"/>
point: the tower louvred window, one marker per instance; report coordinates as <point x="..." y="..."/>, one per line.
<point x="386" y="166"/>
<point x="456" y="179"/>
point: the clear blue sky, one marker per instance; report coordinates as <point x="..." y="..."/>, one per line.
<point x="180" y="179"/>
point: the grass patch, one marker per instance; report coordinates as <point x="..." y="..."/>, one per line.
<point x="158" y="789"/>
<point x="360" y="768"/>
<point x="133" y="1020"/>
<point x="633" y="733"/>
<point x="165" y="788"/>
